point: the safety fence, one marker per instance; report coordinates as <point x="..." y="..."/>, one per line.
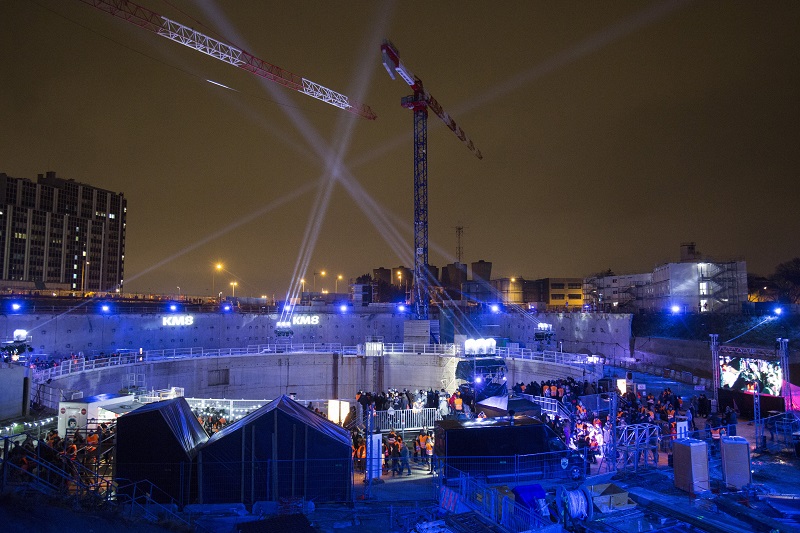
<point x="563" y="465"/>
<point x="498" y="507"/>
<point x="549" y="356"/>
<point x="75" y="365"/>
<point x="422" y="349"/>
<point x="550" y="406"/>
<point x="406" y="419"/>
<point x="53" y="370"/>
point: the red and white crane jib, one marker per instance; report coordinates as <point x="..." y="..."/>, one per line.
<point x="392" y="64"/>
<point x="175" y="31"/>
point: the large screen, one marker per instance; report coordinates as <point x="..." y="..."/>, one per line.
<point x="739" y="373"/>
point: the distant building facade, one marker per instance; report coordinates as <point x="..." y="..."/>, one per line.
<point x="695" y="284"/>
<point x="61" y="234"/>
<point x="617" y="294"/>
<point x="564" y="293"/>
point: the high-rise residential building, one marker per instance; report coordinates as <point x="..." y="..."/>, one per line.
<point x="60" y="234"/>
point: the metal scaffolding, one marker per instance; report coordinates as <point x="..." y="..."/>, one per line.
<point x="633" y="444"/>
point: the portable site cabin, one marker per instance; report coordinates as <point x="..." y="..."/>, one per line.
<point x="158" y="442"/>
<point x="85" y="414"/>
<point x="280" y="450"/>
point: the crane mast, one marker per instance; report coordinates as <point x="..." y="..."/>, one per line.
<point x="175" y="31"/>
<point x="419" y="103"/>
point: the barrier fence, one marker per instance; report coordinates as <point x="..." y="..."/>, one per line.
<point x="489" y="502"/>
<point x="406" y="419"/>
<point x="550" y="356"/>
<point x="564" y="465"/>
<point x="74" y="365"/>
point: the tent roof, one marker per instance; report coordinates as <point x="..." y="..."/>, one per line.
<point x="498" y="402"/>
<point x="179" y="418"/>
<point x="504" y="403"/>
<point x="295" y="410"/>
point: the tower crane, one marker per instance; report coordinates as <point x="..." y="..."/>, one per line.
<point x="160" y="25"/>
<point x="420" y="102"/>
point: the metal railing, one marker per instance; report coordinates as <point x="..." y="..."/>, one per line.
<point x="550" y="406"/>
<point x="88" y="364"/>
<point x="398" y="419"/>
<point x="567" y="464"/>
<point x="449" y="350"/>
<point x="406" y="419"/>
<point x="549" y="356"/>
<point x="490" y="502"/>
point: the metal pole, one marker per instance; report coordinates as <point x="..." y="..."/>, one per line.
<point x="715" y="368"/>
<point x="783" y="353"/>
<point x="371" y="457"/>
<point x="612" y="450"/>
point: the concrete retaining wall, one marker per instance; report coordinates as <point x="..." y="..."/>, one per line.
<point x="310" y="376"/>
<point x="94" y="333"/>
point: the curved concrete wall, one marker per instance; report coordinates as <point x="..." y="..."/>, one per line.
<point x="311" y="376"/>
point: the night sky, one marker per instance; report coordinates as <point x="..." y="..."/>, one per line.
<point x="611" y="133"/>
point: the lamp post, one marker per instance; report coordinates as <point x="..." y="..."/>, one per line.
<point x="400" y="285"/>
<point x="217" y="267"/>
<point x="83" y="276"/>
<point x="336" y="284"/>
<point x="321" y="273"/>
<point x="179" y="292"/>
<point x="233" y="285"/>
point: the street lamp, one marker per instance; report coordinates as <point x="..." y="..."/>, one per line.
<point x="302" y="285"/>
<point x="336" y="284"/>
<point x="234" y="284"/>
<point x="321" y="273"/>
<point x="83" y="275"/>
<point x="400" y="284"/>
<point x="217" y="267"/>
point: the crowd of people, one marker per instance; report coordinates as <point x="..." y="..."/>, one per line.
<point x="74" y="453"/>
<point x="590" y="430"/>
<point x="396" y="453"/>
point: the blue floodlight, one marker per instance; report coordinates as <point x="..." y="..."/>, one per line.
<point x="226" y="308"/>
<point x="343" y="308"/>
<point x="676" y="309"/>
<point x="478" y="379"/>
<point x="778" y="311"/>
<point x="173" y="307"/>
<point x="401" y="308"/>
<point x="105" y="308"/>
<point x="15" y="306"/>
<point x="495" y="308"/>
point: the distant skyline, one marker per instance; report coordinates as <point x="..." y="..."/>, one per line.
<point x="611" y="133"/>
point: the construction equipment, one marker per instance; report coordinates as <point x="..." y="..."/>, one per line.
<point x="419" y="102"/>
<point x="160" y="25"/>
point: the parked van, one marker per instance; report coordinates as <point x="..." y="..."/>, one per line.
<point x="506" y="446"/>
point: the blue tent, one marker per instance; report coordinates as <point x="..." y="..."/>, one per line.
<point x="280" y="450"/>
<point x="158" y="442"/>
